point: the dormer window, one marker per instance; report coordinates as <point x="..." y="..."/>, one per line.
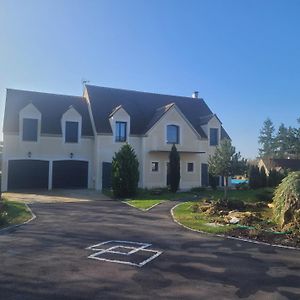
<point x="214" y="136"/>
<point x="173" y="134"/>
<point x="71" y="135"/>
<point x="121" y="131"/>
<point x="30" y="130"/>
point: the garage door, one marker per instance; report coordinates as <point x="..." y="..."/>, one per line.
<point x="28" y="174"/>
<point x="70" y="174"/>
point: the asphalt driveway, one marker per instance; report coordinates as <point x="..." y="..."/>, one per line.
<point x="47" y="258"/>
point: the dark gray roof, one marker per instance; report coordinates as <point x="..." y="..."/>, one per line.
<point x="284" y="163"/>
<point x="145" y="109"/>
<point x="51" y="106"/>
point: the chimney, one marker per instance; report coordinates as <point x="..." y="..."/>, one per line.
<point x="195" y="94"/>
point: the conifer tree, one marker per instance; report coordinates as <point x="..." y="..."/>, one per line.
<point x="174" y="169"/>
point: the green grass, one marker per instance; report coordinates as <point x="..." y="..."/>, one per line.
<point x="244" y="195"/>
<point x="13" y="213"/>
<point x="145" y="194"/>
<point x="143" y="204"/>
<point x="184" y="215"/>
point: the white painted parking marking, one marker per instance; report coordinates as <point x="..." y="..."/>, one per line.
<point x="133" y="247"/>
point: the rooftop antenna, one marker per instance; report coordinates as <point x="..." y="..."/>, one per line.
<point x="84" y="82"/>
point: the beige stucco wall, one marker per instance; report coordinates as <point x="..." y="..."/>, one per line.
<point x="149" y="148"/>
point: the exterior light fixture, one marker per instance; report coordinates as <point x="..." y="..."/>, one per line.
<point x="29" y="154"/>
<point x="71" y="155"/>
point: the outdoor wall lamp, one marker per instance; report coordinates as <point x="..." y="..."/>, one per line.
<point x="29" y="154"/>
<point x="71" y="155"/>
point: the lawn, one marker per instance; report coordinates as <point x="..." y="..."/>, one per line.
<point x="144" y="204"/>
<point x="247" y="196"/>
<point x="12" y="213"/>
<point x="184" y="214"/>
<point x="145" y="194"/>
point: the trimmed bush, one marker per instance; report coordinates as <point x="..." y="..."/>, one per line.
<point x="287" y="201"/>
<point x="125" y="172"/>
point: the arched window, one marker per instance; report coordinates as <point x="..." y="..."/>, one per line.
<point x="173" y="134"/>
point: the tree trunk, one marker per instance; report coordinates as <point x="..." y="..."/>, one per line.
<point x="225" y="187"/>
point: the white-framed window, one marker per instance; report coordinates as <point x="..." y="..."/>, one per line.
<point x="172" y="134"/>
<point x="190" y="167"/>
<point x="154" y="166"/>
<point x="121" y="131"/>
<point x="71" y="132"/>
<point x="30" y="129"/>
<point x="214" y="136"/>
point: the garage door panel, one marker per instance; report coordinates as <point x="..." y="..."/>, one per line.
<point x="70" y="174"/>
<point x="28" y="174"/>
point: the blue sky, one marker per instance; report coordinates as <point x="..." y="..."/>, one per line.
<point x="242" y="56"/>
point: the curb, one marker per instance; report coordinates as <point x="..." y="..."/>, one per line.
<point x="229" y="237"/>
<point x="33" y="216"/>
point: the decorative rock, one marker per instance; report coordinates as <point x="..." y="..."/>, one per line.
<point x="234" y="220"/>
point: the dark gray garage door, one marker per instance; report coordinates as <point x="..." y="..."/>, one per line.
<point x="28" y="174"/>
<point x="70" y="174"/>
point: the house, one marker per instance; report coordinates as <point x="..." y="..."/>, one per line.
<point x="279" y="164"/>
<point x="58" y="141"/>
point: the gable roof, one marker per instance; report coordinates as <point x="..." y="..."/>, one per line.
<point x="283" y="163"/>
<point x="51" y="106"/>
<point x="145" y="109"/>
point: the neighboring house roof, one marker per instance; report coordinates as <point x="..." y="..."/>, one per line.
<point x="51" y="106"/>
<point x="276" y="163"/>
<point x="145" y="109"/>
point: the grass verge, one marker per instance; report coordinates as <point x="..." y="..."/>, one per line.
<point x="184" y="215"/>
<point x="145" y="194"/>
<point x="143" y="204"/>
<point x="13" y="213"/>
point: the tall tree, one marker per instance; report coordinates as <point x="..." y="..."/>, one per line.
<point x="226" y="162"/>
<point x="281" y="141"/>
<point x="174" y="169"/>
<point x="125" y="172"/>
<point x="266" y="139"/>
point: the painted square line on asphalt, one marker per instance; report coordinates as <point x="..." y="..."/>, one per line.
<point x="132" y="252"/>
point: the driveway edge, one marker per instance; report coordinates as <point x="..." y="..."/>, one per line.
<point x="33" y="216"/>
<point x="228" y="237"/>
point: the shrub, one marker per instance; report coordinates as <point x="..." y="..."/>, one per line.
<point x="198" y="189"/>
<point x="275" y="178"/>
<point x="264" y="196"/>
<point x="254" y="177"/>
<point x="287" y="201"/>
<point x="263" y="177"/>
<point x="213" y="181"/>
<point x="125" y="172"/>
<point x="236" y="204"/>
<point x="242" y="186"/>
<point x="174" y="160"/>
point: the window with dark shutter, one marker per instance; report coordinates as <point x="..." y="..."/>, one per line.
<point x="30" y="130"/>
<point x="71" y="135"/>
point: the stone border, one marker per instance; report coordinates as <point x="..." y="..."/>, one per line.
<point x="144" y="210"/>
<point x="226" y="236"/>
<point x="33" y="216"/>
